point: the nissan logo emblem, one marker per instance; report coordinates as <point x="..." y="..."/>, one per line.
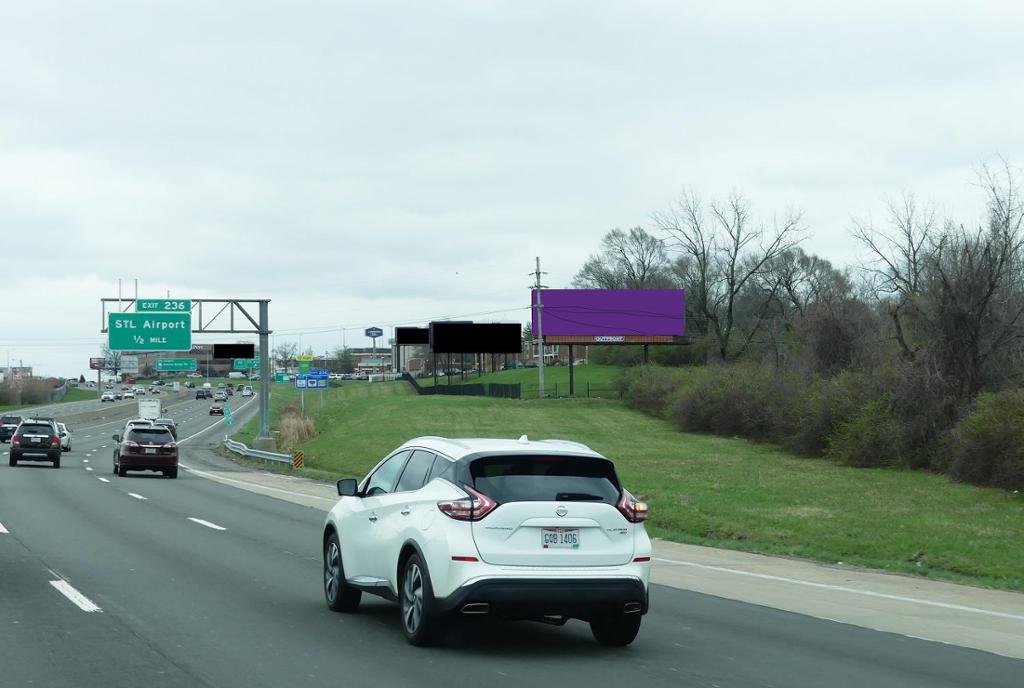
<point x="561" y="511"/>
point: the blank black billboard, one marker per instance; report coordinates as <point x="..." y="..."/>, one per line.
<point x="234" y="351"/>
<point x="476" y="338"/>
<point x="412" y="336"/>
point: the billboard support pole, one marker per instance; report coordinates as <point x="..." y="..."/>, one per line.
<point x="572" y="364"/>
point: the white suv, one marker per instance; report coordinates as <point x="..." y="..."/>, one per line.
<point x="521" y="529"/>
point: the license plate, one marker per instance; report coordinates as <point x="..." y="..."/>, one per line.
<point x="151" y="450"/>
<point x="560" y="538"/>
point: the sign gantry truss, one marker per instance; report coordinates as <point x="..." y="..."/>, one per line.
<point x="209" y="316"/>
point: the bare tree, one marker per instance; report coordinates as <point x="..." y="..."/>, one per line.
<point x="722" y="253"/>
<point x="285" y="352"/>
<point x="626" y="260"/>
<point x="112" y="360"/>
<point x="954" y="294"/>
<point x="899" y="255"/>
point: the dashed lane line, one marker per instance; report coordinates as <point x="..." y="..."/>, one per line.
<point x="3" y="531"/>
<point x="201" y="522"/>
<point x="104" y="480"/>
<point x="79" y="600"/>
<point x="136" y="496"/>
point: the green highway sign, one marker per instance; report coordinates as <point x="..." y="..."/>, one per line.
<point x="163" y="306"/>
<point x="246" y="363"/>
<point x="149" y="331"/>
<point x="280" y="377"/>
<point x="170" y="364"/>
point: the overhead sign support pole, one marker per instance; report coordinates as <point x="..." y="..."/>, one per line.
<point x="265" y="384"/>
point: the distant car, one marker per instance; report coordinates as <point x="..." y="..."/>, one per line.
<point x="36" y="440"/>
<point x="247" y="391"/>
<point x="140" y="391"/>
<point x="8" y="424"/>
<point x="146" y="448"/>
<point x="204" y="394"/>
<point x="128" y="395"/>
<point x="220" y="395"/>
<point x="65" y="437"/>
<point x="194" y="375"/>
<point x="155" y="390"/>
<point x="216" y="410"/>
<point x="107" y="396"/>
<point x="231" y="392"/>
<point x="190" y="385"/>
<point x="118" y="395"/>
<point x="169" y="424"/>
<point x="254" y="376"/>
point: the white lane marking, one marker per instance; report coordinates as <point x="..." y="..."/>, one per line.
<point x="88" y="436"/>
<point x="206" y="523"/>
<point x="103" y="447"/>
<point x="86" y="460"/>
<point x="843" y="588"/>
<point x="104" y="480"/>
<point x="88" y="468"/>
<point x="137" y="496"/>
<point x="218" y="478"/>
<point x="80" y="600"/>
<point x="3" y="531"/>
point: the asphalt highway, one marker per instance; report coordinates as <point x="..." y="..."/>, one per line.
<point x="145" y="581"/>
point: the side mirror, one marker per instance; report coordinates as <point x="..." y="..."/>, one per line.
<point x="348" y="487"/>
<point x="117" y="438"/>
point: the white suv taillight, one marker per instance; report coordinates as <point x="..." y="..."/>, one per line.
<point x="634" y="511"/>
<point x="472" y="508"/>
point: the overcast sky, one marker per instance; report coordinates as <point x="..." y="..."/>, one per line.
<point x="391" y="162"/>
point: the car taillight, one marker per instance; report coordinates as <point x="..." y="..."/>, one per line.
<point x="15" y="440"/>
<point x="171" y="445"/>
<point x="54" y="441"/>
<point x="633" y="510"/>
<point x="131" y="444"/>
<point x="473" y="508"/>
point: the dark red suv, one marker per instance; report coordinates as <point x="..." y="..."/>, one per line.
<point x="146" y="449"/>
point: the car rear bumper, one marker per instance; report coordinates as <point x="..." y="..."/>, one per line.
<point x="524" y="598"/>
<point x="152" y="463"/>
<point x="36" y="454"/>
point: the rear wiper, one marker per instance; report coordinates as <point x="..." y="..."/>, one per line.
<point x="577" y="497"/>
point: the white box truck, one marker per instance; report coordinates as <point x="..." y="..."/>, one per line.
<point x="149" y="408"/>
<point x="235" y="375"/>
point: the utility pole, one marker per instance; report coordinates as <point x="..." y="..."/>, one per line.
<point x="538" y="337"/>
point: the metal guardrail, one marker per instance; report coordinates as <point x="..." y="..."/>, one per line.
<point x="240" y="448"/>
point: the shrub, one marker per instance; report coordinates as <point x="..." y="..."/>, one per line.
<point x="296" y="429"/>
<point x="872" y="438"/>
<point x="647" y="388"/>
<point x="987" y="446"/>
<point x="35" y="391"/>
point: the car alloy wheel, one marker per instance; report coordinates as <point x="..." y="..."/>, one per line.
<point x="412" y="598"/>
<point x="332" y="573"/>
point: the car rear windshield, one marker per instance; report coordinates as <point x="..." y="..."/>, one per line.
<point x="545" y="479"/>
<point x="35" y="429"/>
<point x="160" y="434"/>
<point x="10" y="420"/>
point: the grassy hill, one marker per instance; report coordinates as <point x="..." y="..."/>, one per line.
<point x="704" y="489"/>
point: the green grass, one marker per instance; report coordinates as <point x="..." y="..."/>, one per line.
<point x="73" y="394"/>
<point x="708" y="490"/>
<point x="600" y="378"/>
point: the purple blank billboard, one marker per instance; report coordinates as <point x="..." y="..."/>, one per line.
<point x="586" y="312"/>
